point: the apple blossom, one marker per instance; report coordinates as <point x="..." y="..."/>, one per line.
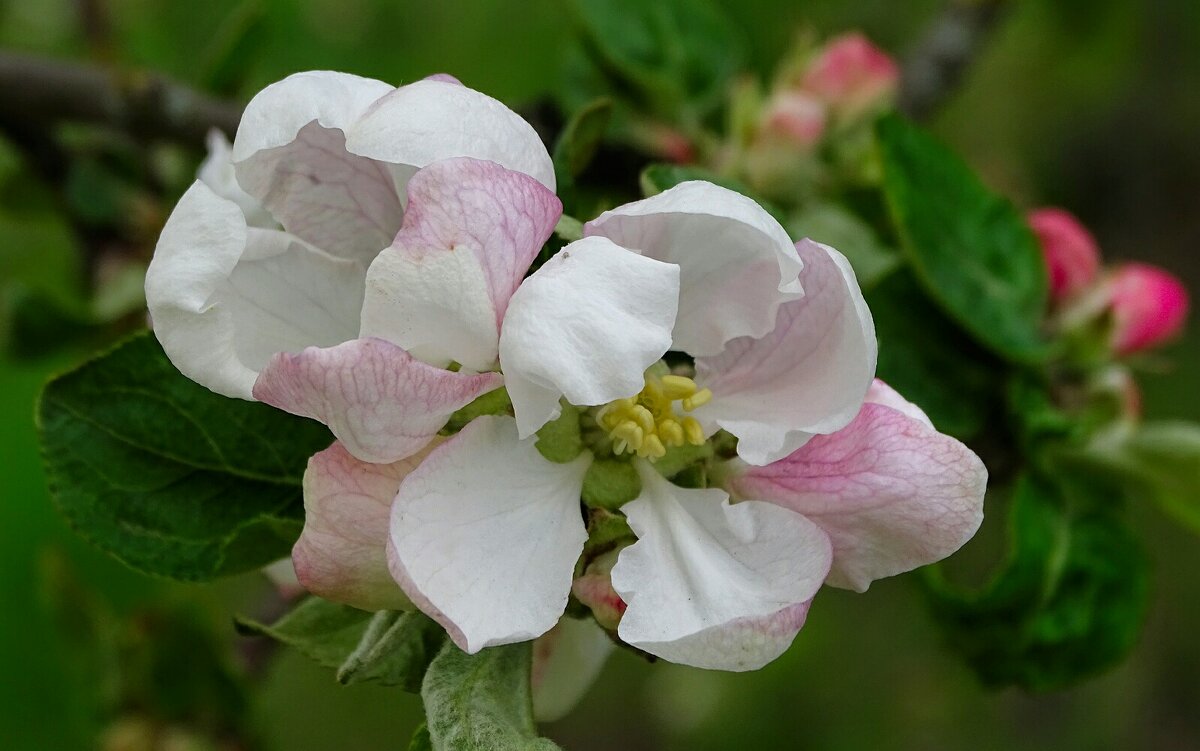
<point x="1149" y="306"/>
<point x="795" y="115"/>
<point x="851" y="75"/>
<point x="1070" y="252"/>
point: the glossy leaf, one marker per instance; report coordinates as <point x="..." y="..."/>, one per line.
<point x="971" y="249"/>
<point x="167" y="476"/>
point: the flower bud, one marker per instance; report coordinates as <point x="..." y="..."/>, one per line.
<point x="1148" y="306"/>
<point x="796" y="116"/>
<point x="1070" y="252"/>
<point x="852" y="75"/>
<point x="595" y="590"/>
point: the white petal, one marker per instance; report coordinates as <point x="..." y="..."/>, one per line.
<point x="807" y="376"/>
<point x="428" y="120"/>
<point x="715" y="585"/>
<point x="485" y="535"/>
<point x="471" y="231"/>
<point x="224" y="298"/>
<point x="738" y="264"/>
<point x="277" y="113"/>
<point x="566" y="661"/>
<point x="586" y="325"/>
<point x="216" y="171"/>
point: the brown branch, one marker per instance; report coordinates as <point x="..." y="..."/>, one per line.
<point x="37" y="90"/>
<point x="932" y="72"/>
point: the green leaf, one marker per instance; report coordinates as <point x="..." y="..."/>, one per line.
<point x="835" y="225"/>
<point x="610" y="484"/>
<point x="421" y="740"/>
<point x="482" y="702"/>
<point x="929" y="360"/>
<point x="391" y="648"/>
<point x="971" y="249"/>
<point x="673" y="57"/>
<point x="323" y="631"/>
<point x="395" y="650"/>
<point x="580" y="138"/>
<point x="165" y="475"/>
<point x="231" y="51"/>
<point x="1160" y="460"/>
<point x="1069" y="602"/>
<point x="659" y="177"/>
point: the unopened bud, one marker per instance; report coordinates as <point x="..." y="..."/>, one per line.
<point x="1069" y="250"/>
<point x="852" y="75"/>
<point x="1149" y="306"/>
<point x="795" y="116"/>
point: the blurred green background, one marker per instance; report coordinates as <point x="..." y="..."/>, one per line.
<point x="1089" y="104"/>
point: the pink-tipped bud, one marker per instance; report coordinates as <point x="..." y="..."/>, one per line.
<point x="795" y="116"/>
<point x="1071" y="254"/>
<point x="851" y="74"/>
<point x="595" y="590"/>
<point x="1149" y="306"/>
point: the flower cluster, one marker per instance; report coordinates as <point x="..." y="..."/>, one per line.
<point x="361" y="256"/>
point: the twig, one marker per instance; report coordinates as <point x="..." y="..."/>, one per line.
<point x="932" y="72"/>
<point x="44" y="91"/>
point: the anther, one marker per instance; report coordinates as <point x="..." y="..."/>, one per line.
<point x="698" y="399"/>
<point x="677" y="387"/>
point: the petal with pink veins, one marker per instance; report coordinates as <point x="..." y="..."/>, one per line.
<point x="807" y="376"/>
<point x="891" y="492"/>
<point x="485" y="535"/>
<point x="715" y="585"/>
<point x="737" y="264"/>
<point x="586" y="326"/>
<point x="381" y="402"/>
<point x="342" y="553"/>
<point x="442" y="288"/>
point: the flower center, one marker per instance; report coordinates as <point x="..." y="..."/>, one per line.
<point x="647" y="424"/>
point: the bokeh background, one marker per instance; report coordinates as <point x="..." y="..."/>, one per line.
<point x="1089" y="104"/>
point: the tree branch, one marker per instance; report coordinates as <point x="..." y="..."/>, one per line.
<point x="934" y="69"/>
<point x="44" y="91"/>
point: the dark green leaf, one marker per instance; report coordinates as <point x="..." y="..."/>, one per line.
<point x="324" y="631"/>
<point x="929" y="360"/>
<point x="395" y="650"/>
<point x="673" y="57"/>
<point x="231" y="51"/>
<point x="580" y="139"/>
<point x="1068" y="603"/>
<point x="482" y="702"/>
<point x="971" y="249"/>
<point x="659" y="177"/>
<point x="167" y="476"/>
<point x="421" y="740"/>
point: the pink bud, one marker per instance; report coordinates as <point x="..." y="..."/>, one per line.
<point x="1149" y="306"/>
<point x="1071" y="254"/>
<point x="851" y="74"/>
<point x="595" y="590"/>
<point x="797" y="116"/>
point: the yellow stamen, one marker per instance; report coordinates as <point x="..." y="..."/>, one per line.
<point x="698" y="399"/>
<point x="648" y="424"/>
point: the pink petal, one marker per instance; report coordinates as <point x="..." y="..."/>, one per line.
<point x="442" y="288"/>
<point x="342" y="553"/>
<point x="1149" y="306"/>
<point x="1071" y="254"/>
<point x="891" y="492"/>
<point x="807" y="376"/>
<point x="380" y="402"/>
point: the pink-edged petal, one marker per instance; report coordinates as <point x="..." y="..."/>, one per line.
<point x="881" y="393"/>
<point x="891" y="492"/>
<point x="442" y="288"/>
<point x="381" y="402"/>
<point x="429" y="120"/>
<point x="566" y="661"/>
<point x="224" y="298"/>
<point x="807" y="376"/>
<point x="343" y="203"/>
<point x="586" y="325"/>
<point x="342" y="553"/>
<point x="737" y="263"/>
<point x="714" y="585"/>
<point x="485" y="535"/>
